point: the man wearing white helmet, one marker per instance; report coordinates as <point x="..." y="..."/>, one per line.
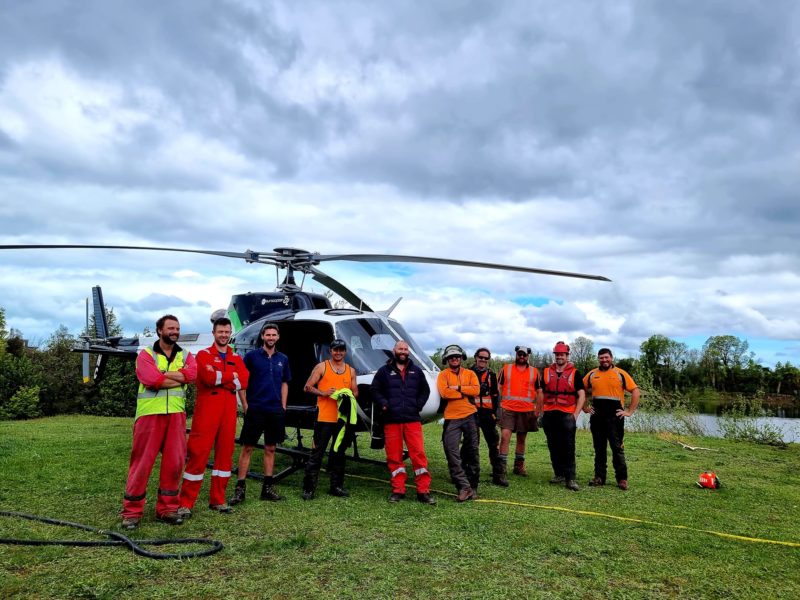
<point x="458" y="387"/>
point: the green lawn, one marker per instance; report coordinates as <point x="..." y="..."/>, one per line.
<point x="74" y="468"/>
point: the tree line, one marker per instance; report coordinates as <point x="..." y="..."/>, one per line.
<point x="47" y="380"/>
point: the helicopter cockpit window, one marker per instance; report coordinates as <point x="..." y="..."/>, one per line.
<point x="370" y="343"/>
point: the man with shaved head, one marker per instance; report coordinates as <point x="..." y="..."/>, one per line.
<point x="400" y="391"/>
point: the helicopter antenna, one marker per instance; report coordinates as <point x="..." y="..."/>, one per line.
<point x="389" y="310"/>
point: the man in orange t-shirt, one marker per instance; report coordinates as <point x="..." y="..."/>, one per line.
<point x="520" y="397"/>
<point x="458" y="387"/>
<point x="608" y="385"/>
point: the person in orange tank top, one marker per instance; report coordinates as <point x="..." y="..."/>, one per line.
<point x="327" y="377"/>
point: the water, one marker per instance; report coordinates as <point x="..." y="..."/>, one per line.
<point x="711" y="424"/>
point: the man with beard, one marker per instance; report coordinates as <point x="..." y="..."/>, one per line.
<point x="608" y="385"/>
<point x="563" y="401"/>
<point x="264" y="410"/>
<point x="520" y="396"/>
<point x="164" y="372"/>
<point x="221" y="374"/>
<point x="326" y="379"/>
<point x="400" y="390"/>
<point x="487" y="404"/>
<point x="458" y="387"/>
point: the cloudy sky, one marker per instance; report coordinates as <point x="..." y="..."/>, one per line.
<point x="652" y="142"/>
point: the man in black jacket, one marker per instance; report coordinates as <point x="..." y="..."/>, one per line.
<point x="400" y="390"/>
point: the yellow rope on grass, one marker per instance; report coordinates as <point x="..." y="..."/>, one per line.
<point x="591" y="513"/>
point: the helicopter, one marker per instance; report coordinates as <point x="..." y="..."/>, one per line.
<point x="308" y="323"/>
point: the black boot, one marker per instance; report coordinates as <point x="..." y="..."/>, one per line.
<point x="310" y="485"/>
<point x="499" y="474"/>
<point x="238" y="493"/>
<point x="268" y="491"/>
<point x="337" y="482"/>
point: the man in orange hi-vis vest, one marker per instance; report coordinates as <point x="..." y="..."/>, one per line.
<point x="608" y="385"/>
<point x="519" y="401"/>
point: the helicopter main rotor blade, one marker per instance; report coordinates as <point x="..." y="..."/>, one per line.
<point x="448" y="261"/>
<point x="333" y="285"/>
<point x="248" y="256"/>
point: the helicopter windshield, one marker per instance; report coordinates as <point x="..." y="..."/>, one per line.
<point x="370" y="343"/>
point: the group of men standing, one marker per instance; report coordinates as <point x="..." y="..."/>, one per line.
<point x="519" y="399"/>
<point x="475" y="400"/>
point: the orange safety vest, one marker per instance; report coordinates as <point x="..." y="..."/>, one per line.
<point x="519" y="389"/>
<point x="328" y="409"/>
<point x="559" y="388"/>
<point x="484" y="401"/>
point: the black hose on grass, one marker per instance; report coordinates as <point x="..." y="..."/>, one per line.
<point x="117" y="539"/>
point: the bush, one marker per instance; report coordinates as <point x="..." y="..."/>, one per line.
<point x="24" y="404"/>
<point x="739" y="422"/>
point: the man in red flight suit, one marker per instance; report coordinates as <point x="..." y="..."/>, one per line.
<point x="164" y="372"/>
<point x="221" y="375"/>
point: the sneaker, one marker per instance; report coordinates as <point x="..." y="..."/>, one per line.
<point x="573" y="485"/>
<point x="130" y="523"/>
<point x="184" y="512"/>
<point x="221" y="508"/>
<point x="622" y="484"/>
<point x="426" y="499"/>
<point x="597" y="481"/>
<point x="396" y="497"/>
<point x="339" y="492"/>
<point x="557" y="480"/>
<point x="170" y="518"/>
<point x="466" y="494"/>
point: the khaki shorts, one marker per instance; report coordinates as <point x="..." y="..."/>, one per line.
<point x="518" y="422"/>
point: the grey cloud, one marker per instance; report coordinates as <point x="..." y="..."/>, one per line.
<point x="157" y="302"/>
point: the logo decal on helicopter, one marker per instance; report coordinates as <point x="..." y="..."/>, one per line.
<point x="285" y="300"/>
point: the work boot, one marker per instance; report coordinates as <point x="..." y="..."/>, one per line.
<point x="426" y="498"/>
<point x="597" y="481"/>
<point x="238" y="493"/>
<point x="310" y="485"/>
<point x="130" y="523"/>
<point x="466" y="494"/>
<point x="268" y="492"/>
<point x="499" y="475"/>
<point x="170" y="518"/>
<point x="221" y="508"/>
<point x="573" y="485"/>
<point x="338" y="491"/>
<point x="184" y="512"/>
<point x="519" y="468"/>
<point x="558" y="480"/>
<point x="622" y="484"/>
<point x="396" y="497"/>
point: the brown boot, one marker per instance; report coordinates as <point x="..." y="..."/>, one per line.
<point x="466" y="494"/>
<point x="519" y="468"/>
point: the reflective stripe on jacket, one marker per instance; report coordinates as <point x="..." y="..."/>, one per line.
<point x="150" y="401"/>
<point x="518" y="391"/>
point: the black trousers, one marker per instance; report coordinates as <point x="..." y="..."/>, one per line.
<point x="559" y="428"/>
<point x="608" y="430"/>
<point x="487" y="425"/>
<point x="325" y="435"/>
<point x="462" y="457"/>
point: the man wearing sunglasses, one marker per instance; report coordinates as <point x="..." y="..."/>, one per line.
<point x="487" y="404"/>
<point x="520" y="397"/>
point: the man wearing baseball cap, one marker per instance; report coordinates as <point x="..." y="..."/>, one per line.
<point x="328" y="378"/>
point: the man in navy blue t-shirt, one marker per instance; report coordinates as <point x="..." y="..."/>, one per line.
<point x="264" y="410"/>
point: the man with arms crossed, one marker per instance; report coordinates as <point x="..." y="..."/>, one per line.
<point x="220" y="375"/>
<point x="164" y="372"/>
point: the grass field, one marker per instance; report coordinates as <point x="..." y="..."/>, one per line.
<point x="74" y="468"/>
